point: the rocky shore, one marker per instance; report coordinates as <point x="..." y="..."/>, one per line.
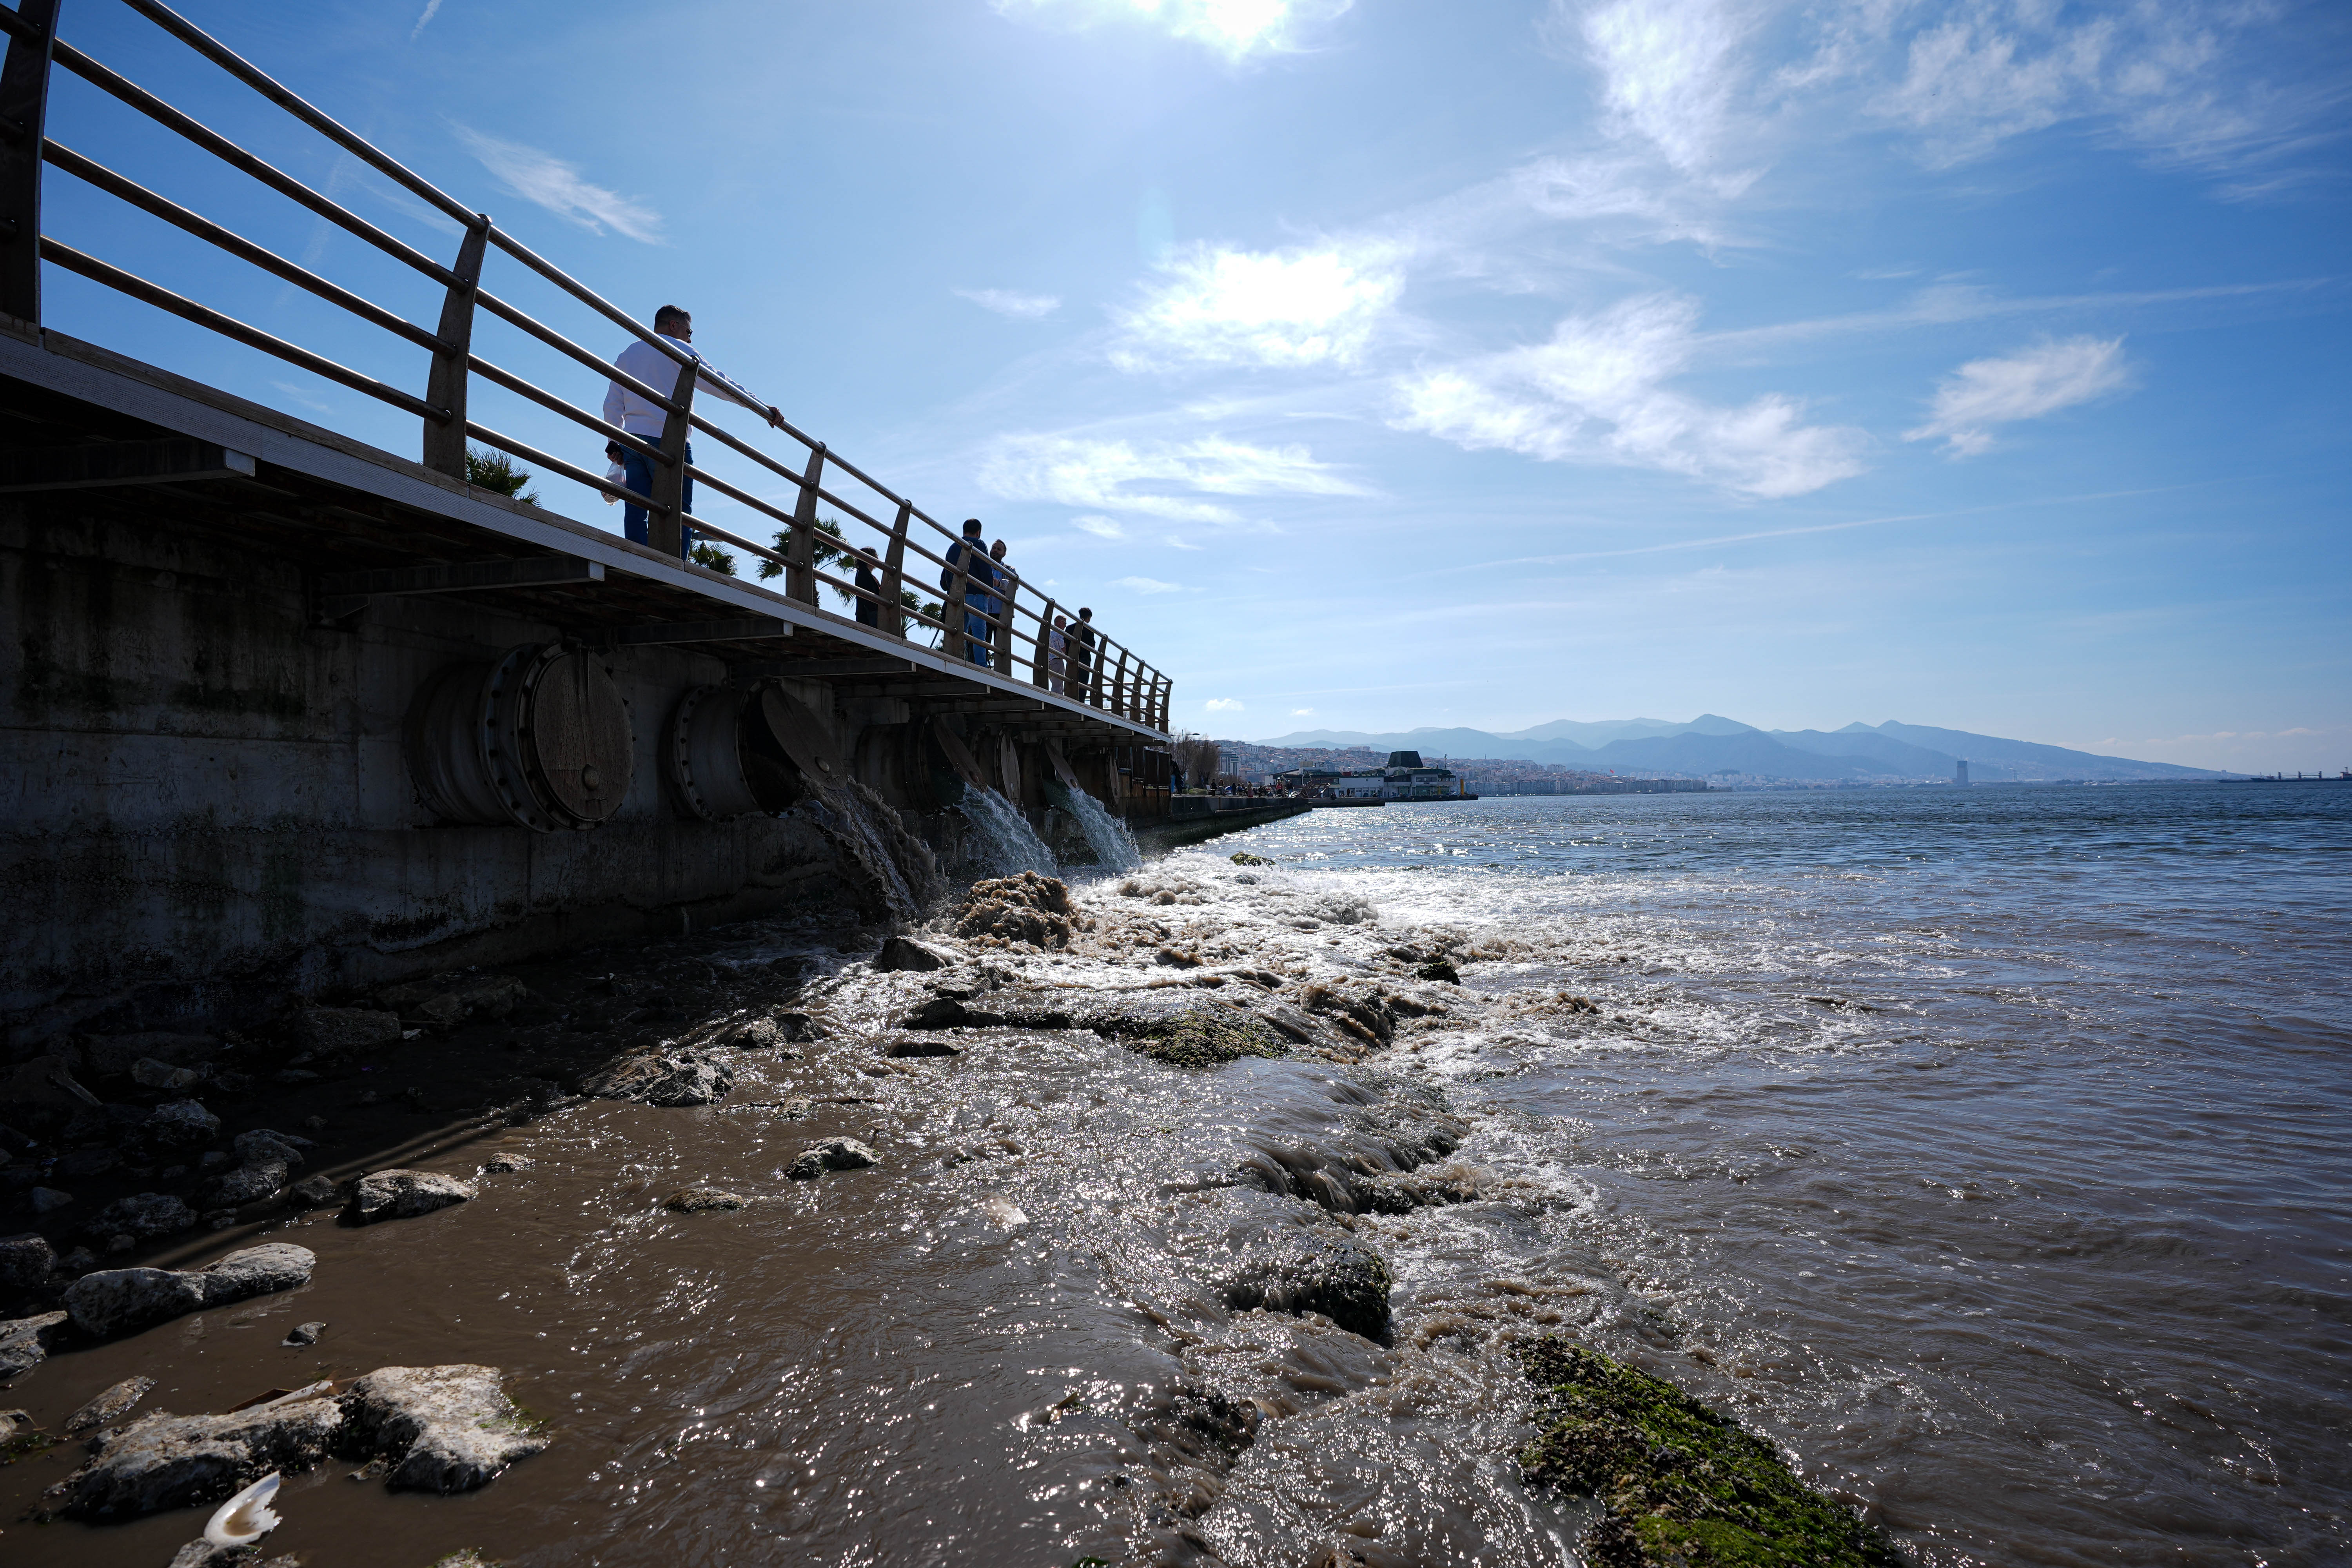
<point x="161" y="1178"/>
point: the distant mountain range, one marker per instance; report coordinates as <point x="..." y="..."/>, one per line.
<point x="1711" y="743"/>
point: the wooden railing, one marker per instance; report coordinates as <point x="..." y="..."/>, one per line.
<point x="1111" y="678"/>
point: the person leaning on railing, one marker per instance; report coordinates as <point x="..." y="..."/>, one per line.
<point x="970" y="556"/>
<point x="642" y="419"/>
<point x="1082" y="655"/>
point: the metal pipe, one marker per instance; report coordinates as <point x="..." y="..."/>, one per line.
<point x="236" y="244"/>
<point x="162" y="299"/>
<point x="547" y="400"/>
<point x="238" y="158"/>
<point x="253" y="76"/>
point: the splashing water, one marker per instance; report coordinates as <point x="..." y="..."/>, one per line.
<point x="1006" y="845"/>
<point x="899" y="877"/>
<point x="1114" y="847"/>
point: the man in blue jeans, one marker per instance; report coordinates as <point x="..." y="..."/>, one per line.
<point x="647" y="422"/>
<point x="971" y="553"/>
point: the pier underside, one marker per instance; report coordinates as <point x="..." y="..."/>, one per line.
<point x="288" y="712"/>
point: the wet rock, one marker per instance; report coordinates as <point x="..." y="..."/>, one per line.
<point x="49" y="1200"/>
<point x="1346" y="1281"/>
<point x="261" y="1145"/>
<point x="202" y="1553"/>
<point x="798" y="1028"/>
<point x="1402" y="1192"/>
<point x="830" y="1154"/>
<point x="471" y="1557"/>
<point x="25" y="1342"/>
<point x="696" y="1200"/>
<point x="304" y="1334"/>
<point x="440" y="1428"/>
<point x="47" y="1083"/>
<point x="921" y="1045"/>
<point x="1438" y="969"/>
<point x="1356" y="1008"/>
<point x="109" y="1407"/>
<point x="1027" y="911"/>
<point x="107" y="1302"/>
<point x="347" y="1028"/>
<point x="665" y="1077"/>
<point x="757" y="1034"/>
<point x="27" y="1261"/>
<point x="15" y="1424"/>
<point x="143" y="1216"/>
<point x="248" y="1184"/>
<point x="311" y="1193"/>
<point x="92" y="1161"/>
<point x="508" y="1164"/>
<point x="106" y="1055"/>
<point x="181" y="1125"/>
<point x="446" y="1001"/>
<point x="1181" y="1027"/>
<point x="149" y="1073"/>
<point x="904" y="954"/>
<point x="404" y="1194"/>
<point x="1242" y="857"/>
<point x="162" y="1461"/>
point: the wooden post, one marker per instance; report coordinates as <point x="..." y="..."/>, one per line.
<point x="23" y="115"/>
<point x="953" y="641"/>
<point x="1011" y="589"/>
<point x="800" y="579"/>
<point x="445" y="440"/>
<point x="1160" y="704"/>
<point x="1119" y="685"/>
<point x="894" y="574"/>
<point x="663" y="524"/>
<point x="1044" y="672"/>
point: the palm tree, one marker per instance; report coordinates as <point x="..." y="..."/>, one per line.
<point x="496" y="471"/>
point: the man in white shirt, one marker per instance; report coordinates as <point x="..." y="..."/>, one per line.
<point x="642" y="419"/>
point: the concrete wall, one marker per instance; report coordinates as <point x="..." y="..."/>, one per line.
<point x="204" y="802"/>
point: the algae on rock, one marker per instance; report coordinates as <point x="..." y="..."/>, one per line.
<point x="1679" y="1485"/>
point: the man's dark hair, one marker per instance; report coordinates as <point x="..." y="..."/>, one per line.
<point x="671" y="315"/>
<point x="1087" y="615"/>
<point x="971" y="525"/>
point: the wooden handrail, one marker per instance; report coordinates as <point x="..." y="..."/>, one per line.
<point x="1117" y="680"/>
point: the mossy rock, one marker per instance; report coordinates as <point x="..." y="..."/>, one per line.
<point x="1205" y="1037"/>
<point x="1679" y="1485"/>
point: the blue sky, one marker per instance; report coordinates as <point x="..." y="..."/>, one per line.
<point x="1380" y="364"/>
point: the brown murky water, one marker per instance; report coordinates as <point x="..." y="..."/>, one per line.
<point x="2030" y="1239"/>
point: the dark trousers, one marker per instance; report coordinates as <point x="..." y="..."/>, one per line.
<point x="638" y="473"/>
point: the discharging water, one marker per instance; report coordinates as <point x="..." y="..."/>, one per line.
<point x="1003" y="844"/>
<point x="1114" y="845"/>
<point x="1987" y="1150"/>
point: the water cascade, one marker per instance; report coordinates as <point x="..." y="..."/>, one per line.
<point x="1005" y="843"/>
<point x="1114" y="847"/>
<point x="892" y="870"/>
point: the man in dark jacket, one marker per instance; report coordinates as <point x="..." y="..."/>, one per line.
<point x="1081" y="656"/>
<point x="971" y="555"/>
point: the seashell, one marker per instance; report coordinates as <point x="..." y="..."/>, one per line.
<point x="247" y="1517"/>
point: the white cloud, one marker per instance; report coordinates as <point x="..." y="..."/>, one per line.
<point x="1100" y="527"/>
<point x="1672" y="71"/>
<point x="432" y="9"/>
<point x="1596" y="394"/>
<point x="1302" y="712"/>
<point x="2039" y="380"/>
<point x="1006" y="302"/>
<point x="1147" y="584"/>
<point x="1234" y="28"/>
<point x="1121" y="477"/>
<point x="1220" y="306"/>
<point x="549" y="181"/>
<point x="1223" y="705"/>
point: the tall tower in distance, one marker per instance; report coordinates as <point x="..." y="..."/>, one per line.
<point x="1960" y="771"/>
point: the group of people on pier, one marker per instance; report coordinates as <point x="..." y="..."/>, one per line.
<point x="989" y="584"/>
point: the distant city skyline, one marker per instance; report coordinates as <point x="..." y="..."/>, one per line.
<point x="1979" y="365"/>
